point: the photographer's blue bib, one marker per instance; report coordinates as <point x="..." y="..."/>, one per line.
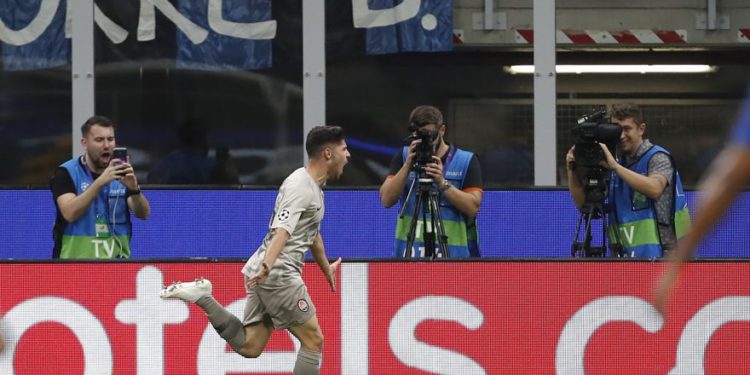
<point x="104" y="230"/>
<point x="633" y="221"/>
<point x="460" y="230"/>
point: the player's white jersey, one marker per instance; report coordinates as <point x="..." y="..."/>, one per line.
<point x="299" y="210"/>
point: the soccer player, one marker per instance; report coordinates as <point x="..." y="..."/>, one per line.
<point x="276" y="295"/>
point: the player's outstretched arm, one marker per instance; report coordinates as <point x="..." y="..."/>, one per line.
<point x="319" y="254"/>
<point x="726" y="177"/>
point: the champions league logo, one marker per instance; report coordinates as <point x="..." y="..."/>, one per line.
<point x="84" y="186"/>
<point x="283" y="215"/>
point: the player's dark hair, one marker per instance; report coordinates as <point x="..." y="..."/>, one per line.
<point x="321" y="136"/>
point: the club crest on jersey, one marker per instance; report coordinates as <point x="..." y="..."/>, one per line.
<point x="283" y="215"/>
<point x="302" y="305"/>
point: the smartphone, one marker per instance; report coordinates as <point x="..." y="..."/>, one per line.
<point x="120" y="153"/>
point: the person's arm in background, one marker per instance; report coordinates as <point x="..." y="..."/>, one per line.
<point x="73" y="206"/>
<point x="393" y="185"/>
<point x="469" y="198"/>
<point x="139" y="204"/>
<point x="652" y="186"/>
<point x="728" y="174"/>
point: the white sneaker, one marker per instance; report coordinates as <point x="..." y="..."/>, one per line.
<point x="190" y="291"/>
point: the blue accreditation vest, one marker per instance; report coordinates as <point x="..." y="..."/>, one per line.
<point x="633" y="220"/>
<point x="463" y="239"/>
<point x="79" y="238"/>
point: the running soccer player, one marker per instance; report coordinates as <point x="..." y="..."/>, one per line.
<point x="276" y="295"/>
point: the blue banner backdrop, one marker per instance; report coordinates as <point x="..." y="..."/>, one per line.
<point x="231" y="223"/>
<point x="229" y="34"/>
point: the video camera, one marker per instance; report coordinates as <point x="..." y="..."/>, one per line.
<point x="594" y="128"/>
<point x="424" y="150"/>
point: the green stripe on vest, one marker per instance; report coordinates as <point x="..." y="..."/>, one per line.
<point x="682" y="225"/>
<point x="682" y="222"/>
<point x="84" y="247"/>
<point x="642" y="232"/>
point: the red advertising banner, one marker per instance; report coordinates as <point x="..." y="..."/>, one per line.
<point x="386" y="318"/>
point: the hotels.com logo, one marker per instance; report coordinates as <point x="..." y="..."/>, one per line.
<point x="376" y="324"/>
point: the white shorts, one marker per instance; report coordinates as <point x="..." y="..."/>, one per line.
<point x="287" y="306"/>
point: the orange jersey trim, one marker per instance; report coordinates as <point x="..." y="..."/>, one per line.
<point x="468" y="190"/>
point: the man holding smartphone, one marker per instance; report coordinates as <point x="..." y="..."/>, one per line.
<point x="93" y="194"/>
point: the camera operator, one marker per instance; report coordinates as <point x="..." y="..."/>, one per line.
<point x="455" y="173"/>
<point x="648" y="210"/>
<point x="94" y="195"/>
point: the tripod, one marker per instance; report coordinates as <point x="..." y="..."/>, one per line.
<point x="594" y="208"/>
<point x="427" y="204"/>
<point x="589" y="213"/>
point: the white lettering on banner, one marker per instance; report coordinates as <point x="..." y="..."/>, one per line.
<point x="147" y="21"/>
<point x="34" y="29"/>
<point x="365" y="18"/>
<point x="256" y="30"/>
<point x="146" y="24"/>
<point x="214" y="359"/>
<point x="698" y="331"/>
<point x="149" y="314"/>
<point x="577" y="332"/>
<point x="113" y="31"/>
<point x="414" y="353"/>
<point x="628" y="232"/>
<point x="97" y="353"/>
<point x="355" y="318"/>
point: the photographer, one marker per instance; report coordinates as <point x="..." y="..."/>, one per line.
<point x="93" y="194"/>
<point x="455" y="173"/>
<point x="648" y="211"/>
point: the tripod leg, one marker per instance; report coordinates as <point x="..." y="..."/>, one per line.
<point x="440" y="227"/>
<point x="587" y="235"/>
<point x="408" y="252"/>
<point x="428" y="221"/>
<point x="576" y="247"/>
<point x="406" y="201"/>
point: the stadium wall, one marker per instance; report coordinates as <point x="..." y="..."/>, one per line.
<point x="232" y="223"/>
